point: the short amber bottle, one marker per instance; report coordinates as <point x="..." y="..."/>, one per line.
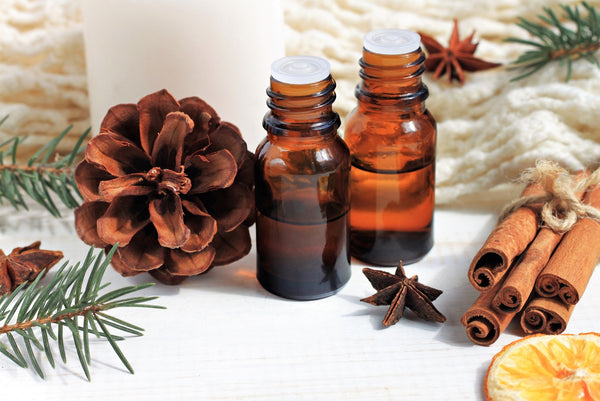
<point x="302" y="192"/>
<point x="392" y="137"/>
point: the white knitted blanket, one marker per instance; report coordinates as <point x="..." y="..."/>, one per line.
<point x="43" y="85"/>
<point x="489" y="130"/>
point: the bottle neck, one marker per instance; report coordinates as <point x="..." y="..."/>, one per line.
<point x="301" y="110"/>
<point x="392" y="81"/>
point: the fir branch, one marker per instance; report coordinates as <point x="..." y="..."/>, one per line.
<point x="39" y="178"/>
<point x="556" y="41"/>
<point x="71" y="302"/>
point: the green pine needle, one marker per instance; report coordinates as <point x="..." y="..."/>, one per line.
<point x="73" y="302"/>
<point x="39" y="178"/>
<point x="576" y="38"/>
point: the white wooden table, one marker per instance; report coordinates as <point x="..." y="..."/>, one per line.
<point x="225" y="338"/>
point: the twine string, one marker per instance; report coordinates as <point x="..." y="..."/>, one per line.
<point x="562" y="206"/>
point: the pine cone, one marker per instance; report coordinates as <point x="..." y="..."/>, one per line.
<point x="171" y="184"/>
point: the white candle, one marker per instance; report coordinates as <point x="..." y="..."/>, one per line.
<point x="220" y="51"/>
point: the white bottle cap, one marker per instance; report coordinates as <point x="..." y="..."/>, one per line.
<point x="300" y="70"/>
<point x="391" y="41"/>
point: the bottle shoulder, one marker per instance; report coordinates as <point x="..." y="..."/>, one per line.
<point x="389" y="114"/>
<point x="274" y="144"/>
<point x="420" y="126"/>
<point x="393" y="143"/>
<point x="288" y="155"/>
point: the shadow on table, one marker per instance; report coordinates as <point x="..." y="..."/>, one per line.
<point x="36" y="220"/>
<point x="237" y="279"/>
<point x="376" y="315"/>
<point x="458" y="294"/>
<point x="480" y="380"/>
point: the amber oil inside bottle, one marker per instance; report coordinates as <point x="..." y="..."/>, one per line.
<point x="302" y="195"/>
<point x="391" y="137"/>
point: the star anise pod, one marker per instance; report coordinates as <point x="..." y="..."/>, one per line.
<point x="24" y="265"/>
<point x="169" y="182"/>
<point x="455" y="59"/>
<point x="399" y="291"/>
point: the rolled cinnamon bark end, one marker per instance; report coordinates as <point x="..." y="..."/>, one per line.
<point x="545" y="315"/>
<point x="482" y="331"/>
<point x="508" y="299"/>
<point x="533" y="321"/>
<point x="569" y="295"/>
<point x="482" y="323"/>
<point x="506" y="242"/>
<point x="521" y="279"/>
<point x="486" y="268"/>
<point x="575" y="258"/>
<point x="547" y="285"/>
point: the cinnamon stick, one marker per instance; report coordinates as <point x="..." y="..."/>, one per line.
<point x="545" y="315"/>
<point x="520" y="282"/>
<point x="506" y="242"/>
<point x="569" y="270"/>
<point x="483" y="324"/>
<point x="521" y="279"/>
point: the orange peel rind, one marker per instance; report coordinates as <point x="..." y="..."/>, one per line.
<point x="541" y="367"/>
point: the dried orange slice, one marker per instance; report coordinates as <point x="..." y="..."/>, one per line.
<point x="542" y="367"/>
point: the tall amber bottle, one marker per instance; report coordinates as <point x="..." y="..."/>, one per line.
<point x="302" y="193"/>
<point x="392" y="137"/>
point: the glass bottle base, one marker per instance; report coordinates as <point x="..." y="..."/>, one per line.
<point x="387" y="248"/>
<point x="302" y="261"/>
<point x="295" y="290"/>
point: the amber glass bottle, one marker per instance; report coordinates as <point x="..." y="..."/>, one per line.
<point x="391" y="136"/>
<point x="302" y="193"/>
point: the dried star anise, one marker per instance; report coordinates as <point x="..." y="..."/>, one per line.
<point x="455" y="59"/>
<point x="399" y="291"/>
<point x="24" y="265"/>
<point x="169" y="182"/>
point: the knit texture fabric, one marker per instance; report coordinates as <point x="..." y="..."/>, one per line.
<point x="489" y="130"/>
<point x="43" y="84"/>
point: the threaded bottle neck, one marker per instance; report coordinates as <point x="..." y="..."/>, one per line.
<point x="392" y="79"/>
<point x="301" y="96"/>
<point x="301" y="110"/>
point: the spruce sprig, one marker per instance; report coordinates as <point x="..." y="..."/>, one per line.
<point x="39" y="178"/>
<point x="557" y="41"/>
<point x="72" y="302"/>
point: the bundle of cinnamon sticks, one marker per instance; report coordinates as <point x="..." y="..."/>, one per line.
<point x="526" y="267"/>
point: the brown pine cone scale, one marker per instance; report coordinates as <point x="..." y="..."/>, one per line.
<point x="171" y="184"/>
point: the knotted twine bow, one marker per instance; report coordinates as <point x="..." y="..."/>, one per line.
<point x="562" y="207"/>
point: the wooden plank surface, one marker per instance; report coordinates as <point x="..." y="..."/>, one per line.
<point x="225" y="338"/>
